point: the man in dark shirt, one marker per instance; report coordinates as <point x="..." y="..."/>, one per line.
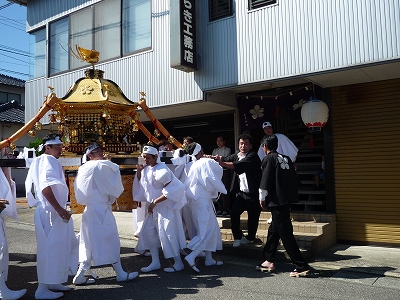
<point x="246" y="181"/>
<point x="278" y="190"/>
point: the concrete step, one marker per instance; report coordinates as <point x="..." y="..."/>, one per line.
<point x="314" y="232"/>
<point x="306" y="227"/>
<point x="294" y="215"/>
<point x="311" y="191"/>
<point x="255" y="249"/>
<point x="312" y="202"/>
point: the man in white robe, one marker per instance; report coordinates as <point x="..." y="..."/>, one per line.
<point x="8" y="208"/>
<point x="182" y="162"/>
<point x="285" y="145"/>
<point x="203" y="183"/>
<point x="46" y="188"/>
<point x="97" y="185"/>
<point x="156" y="184"/>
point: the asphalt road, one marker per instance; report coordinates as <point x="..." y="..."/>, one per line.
<point x="236" y="279"/>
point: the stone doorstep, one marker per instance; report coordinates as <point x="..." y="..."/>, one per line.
<point x="299" y="216"/>
<point x="304" y="240"/>
<point x="255" y="250"/>
<point x="301" y="227"/>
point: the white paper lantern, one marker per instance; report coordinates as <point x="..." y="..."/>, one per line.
<point x="314" y="114"/>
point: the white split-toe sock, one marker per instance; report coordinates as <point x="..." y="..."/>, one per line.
<point x="121" y="274"/>
<point x="155" y="265"/>
<point x="210" y="261"/>
<point x="80" y="278"/>
<point x="155" y="262"/>
<point x="127" y="276"/>
<point x="43" y="292"/>
<point x="178" y="265"/>
<point x="6" y="293"/>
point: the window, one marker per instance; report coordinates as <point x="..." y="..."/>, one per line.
<point x="8" y="97"/>
<point x="112" y="27"/>
<point x="219" y="9"/>
<point x="37" y="46"/>
<point x="253" y="4"/>
<point x="58" y="50"/>
<point x="136" y="26"/>
<point x="98" y="27"/>
<point x="3" y="97"/>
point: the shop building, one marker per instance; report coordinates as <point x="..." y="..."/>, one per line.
<point x="197" y="71"/>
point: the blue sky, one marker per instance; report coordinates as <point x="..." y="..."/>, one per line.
<point x="14" y="41"/>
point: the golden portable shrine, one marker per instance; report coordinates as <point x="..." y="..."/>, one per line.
<point x="95" y="110"/>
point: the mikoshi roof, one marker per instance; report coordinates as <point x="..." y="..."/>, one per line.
<point x="94" y="89"/>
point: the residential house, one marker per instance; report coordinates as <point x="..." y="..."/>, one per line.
<point x="12" y="118"/>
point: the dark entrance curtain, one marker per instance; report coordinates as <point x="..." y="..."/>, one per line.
<point x="254" y="110"/>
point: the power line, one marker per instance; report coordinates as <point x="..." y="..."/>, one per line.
<point x="15" y="64"/>
<point x="14" y="72"/>
<point x="5" y="5"/>
<point x="9" y="51"/>
<point x="9" y="25"/>
<point x="13" y="58"/>
<point x="19" y="51"/>
<point x="20" y="23"/>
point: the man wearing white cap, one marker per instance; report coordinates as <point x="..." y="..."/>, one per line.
<point x="46" y="188"/>
<point x="97" y="185"/>
<point x="285" y="145"/>
<point x="155" y="183"/>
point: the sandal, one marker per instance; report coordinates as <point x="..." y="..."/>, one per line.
<point x="299" y="273"/>
<point x="215" y="263"/>
<point x="194" y="267"/>
<point x="129" y="276"/>
<point x="263" y="268"/>
<point x="173" y="269"/>
<point x="87" y="281"/>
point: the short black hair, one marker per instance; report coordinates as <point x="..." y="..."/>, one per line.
<point x="271" y="141"/>
<point x="49" y="137"/>
<point x="190" y="148"/>
<point x="189" y="139"/>
<point x="246" y="137"/>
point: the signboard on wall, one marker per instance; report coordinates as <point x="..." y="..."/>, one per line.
<point x="183" y="35"/>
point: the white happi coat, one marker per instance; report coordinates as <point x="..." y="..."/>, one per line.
<point x="56" y="242"/>
<point x="202" y="185"/>
<point x="189" y="226"/>
<point x="163" y="227"/>
<point x="97" y="185"/>
<point x="8" y="193"/>
<point x="285" y="147"/>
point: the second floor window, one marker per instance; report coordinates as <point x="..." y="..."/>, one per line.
<point x="113" y="27"/>
<point x="219" y="9"/>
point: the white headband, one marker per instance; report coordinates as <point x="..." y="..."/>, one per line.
<point x="150" y="150"/>
<point x="196" y="151"/>
<point x="90" y="149"/>
<point x="55" y="141"/>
